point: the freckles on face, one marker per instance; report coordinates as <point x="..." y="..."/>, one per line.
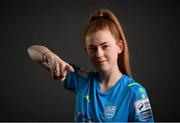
<point x="102" y="48"/>
<point x="101" y="40"/>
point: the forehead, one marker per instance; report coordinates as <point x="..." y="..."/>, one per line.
<point x="100" y="37"/>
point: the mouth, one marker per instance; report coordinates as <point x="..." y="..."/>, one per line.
<point x="101" y="61"/>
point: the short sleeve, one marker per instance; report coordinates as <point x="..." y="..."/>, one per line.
<point x="140" y="108"/>
<point x="73" y="81"/>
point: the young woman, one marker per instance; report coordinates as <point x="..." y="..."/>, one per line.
<point x="109" y="94"/>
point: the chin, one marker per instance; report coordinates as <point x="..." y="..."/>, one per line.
<point x="102" y="68"/>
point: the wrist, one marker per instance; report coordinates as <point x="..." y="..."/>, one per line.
<point x="44" y="56"/>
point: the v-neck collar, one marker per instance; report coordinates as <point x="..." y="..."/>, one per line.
<point x="97" y="82"/>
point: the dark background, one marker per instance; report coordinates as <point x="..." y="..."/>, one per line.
<point x="29" y="93"/>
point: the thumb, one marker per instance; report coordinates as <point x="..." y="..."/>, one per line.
<point x="69" y="68"/>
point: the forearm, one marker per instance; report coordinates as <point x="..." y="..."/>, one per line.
<point x="50" y="61"/>
<point x="36" y="52"/>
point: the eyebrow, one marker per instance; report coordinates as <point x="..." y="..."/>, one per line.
<point x="103" y="43"/>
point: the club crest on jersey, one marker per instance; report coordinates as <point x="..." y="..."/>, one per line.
<point x="110" y="111"/>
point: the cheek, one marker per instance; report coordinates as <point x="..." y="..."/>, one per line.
<point x="87" y="53"/>
<point x="90" y="55"/>
<point x="113" y="54"/>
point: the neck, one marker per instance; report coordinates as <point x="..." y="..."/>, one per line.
<point x="109" y="78"/>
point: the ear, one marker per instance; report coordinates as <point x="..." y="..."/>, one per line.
<point x="120" y="46"/>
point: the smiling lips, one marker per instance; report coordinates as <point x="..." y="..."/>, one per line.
<point x="101" y="61"/>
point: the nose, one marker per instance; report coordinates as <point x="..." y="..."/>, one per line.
<point x="99" y="53"/>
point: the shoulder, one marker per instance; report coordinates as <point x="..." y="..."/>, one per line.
<point x="80" y="71"/>
<point x="140" y="108"/>
<point x="135" y="87"/>
<point x="82" y="75"/>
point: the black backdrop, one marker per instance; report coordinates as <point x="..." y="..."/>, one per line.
<point x="28" y="92"/>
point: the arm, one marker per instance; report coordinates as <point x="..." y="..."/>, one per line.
<point x="50" y="61"/>
<point x="140" y="108"/>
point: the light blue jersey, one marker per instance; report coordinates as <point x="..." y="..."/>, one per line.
<point x="125" y="101"/>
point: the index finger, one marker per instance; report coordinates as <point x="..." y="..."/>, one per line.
<point x="69" y="68"/>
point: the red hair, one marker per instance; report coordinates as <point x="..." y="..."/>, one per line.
<point x="105" y="19"/>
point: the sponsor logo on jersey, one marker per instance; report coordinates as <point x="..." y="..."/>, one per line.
<point x="143" y="109"/>
<point x="110" y="111"/>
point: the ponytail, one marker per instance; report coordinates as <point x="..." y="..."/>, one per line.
<point x="102" y="19"/>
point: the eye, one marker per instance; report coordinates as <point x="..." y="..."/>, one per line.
<point x="105" y="47"/>
<point x="92" y="49"/>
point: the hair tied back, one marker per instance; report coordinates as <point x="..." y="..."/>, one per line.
<point x="100" y="17"/>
